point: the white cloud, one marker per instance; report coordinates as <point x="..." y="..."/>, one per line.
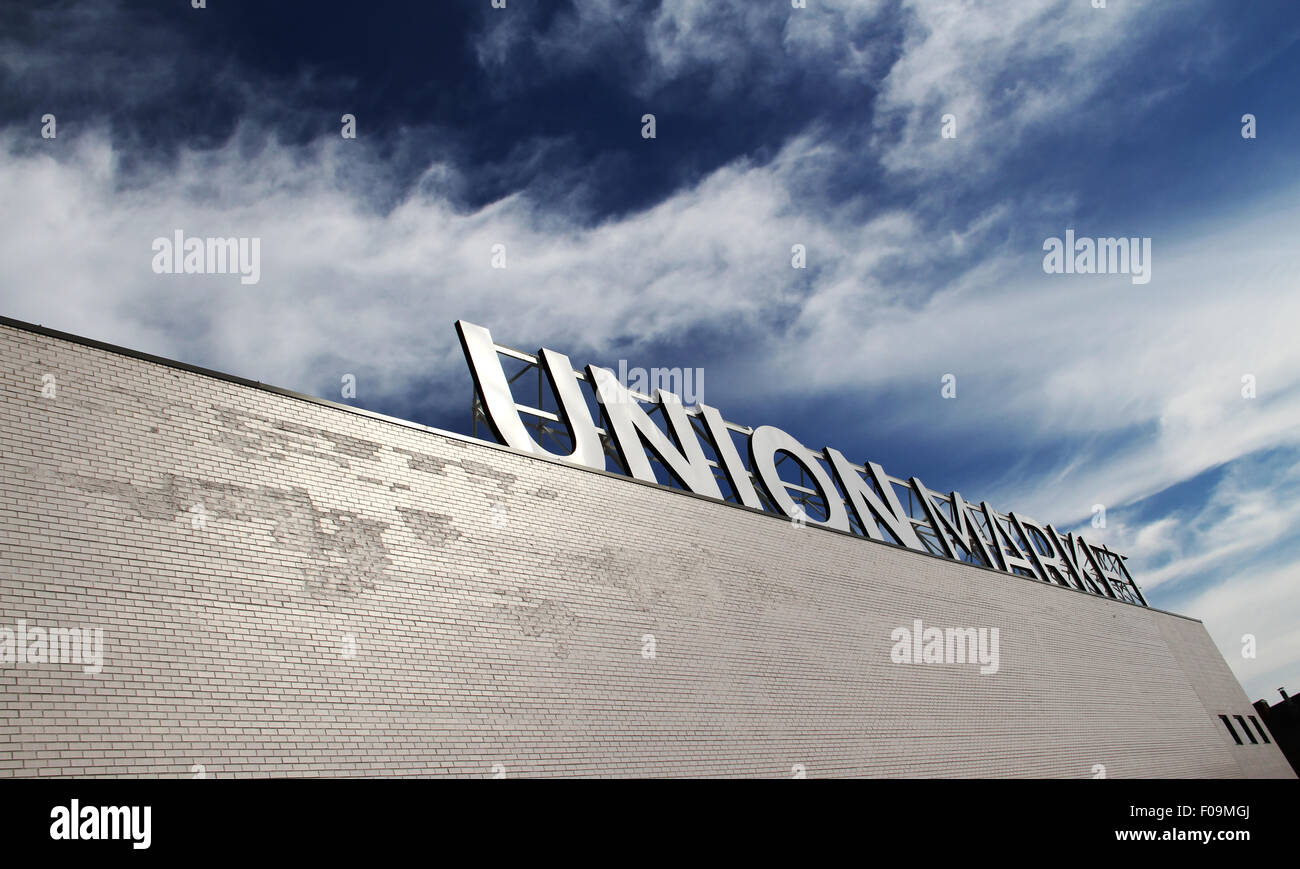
<point x="382" y="288"/>
<point x="742" y="47"/>
<point x="1054" y="356"/>
<point x="1250" y="512"/>
<point x="1006" y="70"/>
<point x="1263" y="604"/>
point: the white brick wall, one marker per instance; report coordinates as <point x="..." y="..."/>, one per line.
<point x="482" y="642"/>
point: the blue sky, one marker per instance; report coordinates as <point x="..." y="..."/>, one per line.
<point x="775" y="126"/>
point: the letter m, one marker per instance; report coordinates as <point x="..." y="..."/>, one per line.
<point x="1112" y="256"/>
<point x="223" y="255"/>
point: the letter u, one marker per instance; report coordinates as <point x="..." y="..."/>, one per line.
<point x="503" y="412"/>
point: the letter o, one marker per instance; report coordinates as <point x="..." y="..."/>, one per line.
<point x="764" y="444"/>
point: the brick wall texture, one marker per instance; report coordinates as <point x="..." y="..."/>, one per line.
<point x="362" y="598"/>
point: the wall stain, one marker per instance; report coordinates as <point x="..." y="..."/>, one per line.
<point x="479" y="471"/>
<point x="341" y="552"/>
<point x="261" y="437"/>
<point x="434" y="529"/>
<point x="538" y="619"/>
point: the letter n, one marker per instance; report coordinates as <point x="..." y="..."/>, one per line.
<point x="631" y="427"/>
<point x="870" y="508"/>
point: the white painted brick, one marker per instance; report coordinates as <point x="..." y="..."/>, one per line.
<point x="520" y="646"/>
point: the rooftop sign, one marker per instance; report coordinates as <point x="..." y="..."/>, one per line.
<point x="695" y="449"/>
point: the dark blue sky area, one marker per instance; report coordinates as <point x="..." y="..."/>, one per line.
<point x="404" y="67"/>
